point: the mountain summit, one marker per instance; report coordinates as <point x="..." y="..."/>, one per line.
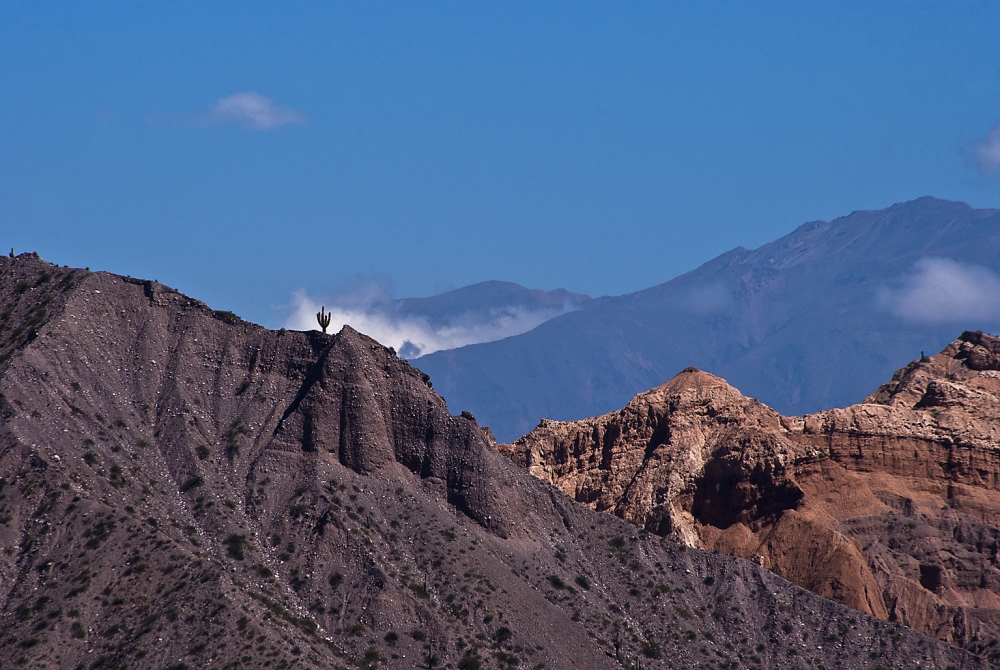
<point x="889" y="506"/>
<point x="811" y="321"/>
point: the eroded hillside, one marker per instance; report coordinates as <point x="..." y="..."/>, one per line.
<point x="889" y="506"/>
<point x="185" y="489"/>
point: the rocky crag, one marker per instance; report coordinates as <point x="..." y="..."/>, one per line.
<point x="889" y="506"/>
<point x="182" y="489"/>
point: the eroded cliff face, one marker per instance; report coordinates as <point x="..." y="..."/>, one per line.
<point x="889" y="506"/>
<point x="181" y="489"/>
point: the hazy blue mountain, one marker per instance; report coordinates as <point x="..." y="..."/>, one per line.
<point x="483" y="301"/>
<point x="816" y="319"/>
<point x="483" y="312"/>
<point x="489" y="310"/>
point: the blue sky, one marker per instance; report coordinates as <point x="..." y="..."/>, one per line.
<point x="243" y="151"/>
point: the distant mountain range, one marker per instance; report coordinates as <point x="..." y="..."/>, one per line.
<point x="811" y="321"/>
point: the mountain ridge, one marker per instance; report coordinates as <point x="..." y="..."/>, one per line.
<point x="181" y="489"/>
<point x="811" y="330"/>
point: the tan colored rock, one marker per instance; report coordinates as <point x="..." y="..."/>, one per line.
<point x="889" y="506"/>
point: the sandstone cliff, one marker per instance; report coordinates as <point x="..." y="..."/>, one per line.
<point x="889" y="506"/>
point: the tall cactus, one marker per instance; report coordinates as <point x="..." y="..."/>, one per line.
<point x="324" y="318"/>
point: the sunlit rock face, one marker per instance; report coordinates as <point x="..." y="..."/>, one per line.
<point x="889" y="506"/>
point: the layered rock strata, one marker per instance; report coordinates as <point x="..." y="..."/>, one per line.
<point x="889" y="506"/>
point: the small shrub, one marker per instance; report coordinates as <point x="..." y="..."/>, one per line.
<point x="190" y="483"/>
<point x="582" y="582"/>
<point x="23" y="611"/>
<point x="226" y="317"/>
<point x="649" y="649"/>
<point x="418" y="635"/>
<point x="556" y="582"/>
<point x="509" y="659"/>
<point x="236" y="546"/>
<point x="99" y="532"/>
<point x="296" y="580"/>
<point x="236" y="429"/>
<point x="391" y="638"/>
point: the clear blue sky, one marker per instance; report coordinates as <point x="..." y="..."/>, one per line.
<point x="601" y="147"/>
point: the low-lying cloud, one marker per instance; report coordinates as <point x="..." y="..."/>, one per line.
<point x="941" y="290"/>
<point x="988" y="153"/>
<point x="250" y="110"/>
<point x="370" y="312"/>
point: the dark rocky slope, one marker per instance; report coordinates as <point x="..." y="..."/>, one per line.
<point x="184" y="489"/>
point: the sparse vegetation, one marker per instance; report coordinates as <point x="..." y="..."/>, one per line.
<point x="191" y="482"/>
<point x="236" y="546"/>
<point x="227" y="317"/>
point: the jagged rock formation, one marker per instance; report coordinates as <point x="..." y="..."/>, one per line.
<point x="184" y="489"/>
<point x="889" y="506"/>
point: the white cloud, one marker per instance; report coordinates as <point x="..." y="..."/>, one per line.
<point x="944" y="291"/>
<point x="988" y="152"/>
<point x="370" y="312"/>
<point x="250" y="110"/>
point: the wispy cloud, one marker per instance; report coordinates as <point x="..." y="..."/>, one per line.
<point x="941" y="290"/>
<point x="988" y="152"/>
<point x="250" y="110"/>
<point x="369" y="311"/>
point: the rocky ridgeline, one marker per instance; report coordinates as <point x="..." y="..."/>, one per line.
<point x="182" y="489"/>
<point x="889" y="506"/>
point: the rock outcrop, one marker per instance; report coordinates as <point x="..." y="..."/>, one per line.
<point x="181" y="489"/>
<point x="889" y="506"/>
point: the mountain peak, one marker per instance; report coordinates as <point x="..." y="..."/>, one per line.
<point x="813" y="320"/>
<point x="848" y="503"/>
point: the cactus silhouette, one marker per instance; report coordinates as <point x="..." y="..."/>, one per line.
<point x="324" y="318"/>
